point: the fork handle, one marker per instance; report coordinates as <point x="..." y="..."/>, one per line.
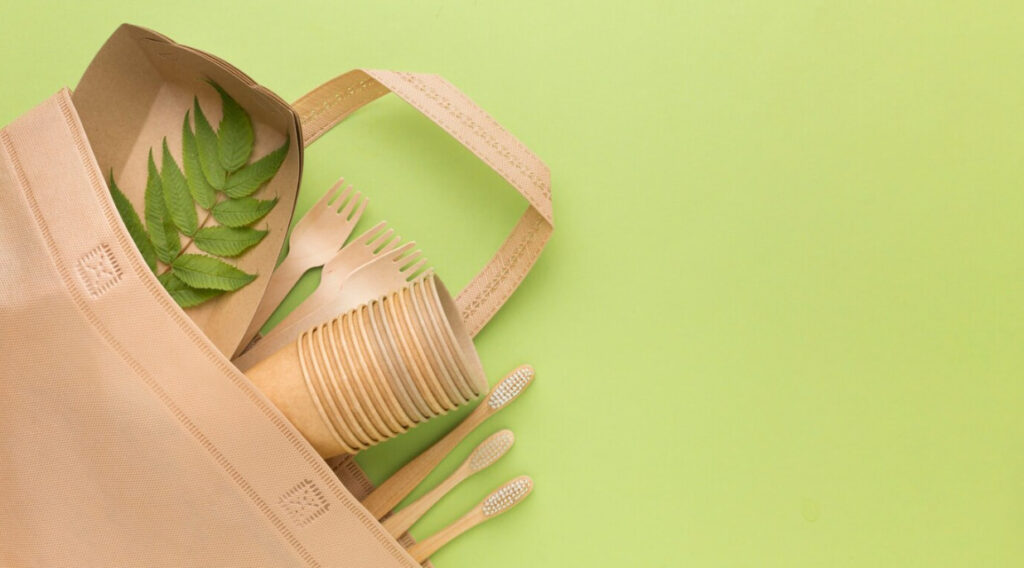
<point x="281" y="282"/>
<point x="309" y="305"/>
<point x="283" y="334"/>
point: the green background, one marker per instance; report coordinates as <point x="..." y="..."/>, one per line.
<point x="780" y="321"/>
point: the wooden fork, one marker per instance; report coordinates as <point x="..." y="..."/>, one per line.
<point x="314" y="240"/>
<point x="350" y="258"/>
<point x="384" y="274"/>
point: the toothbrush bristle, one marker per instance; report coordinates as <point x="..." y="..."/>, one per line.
<point x="507" y="496"/>
<point x="490" y="450"/>
<point x="510" y="387"/>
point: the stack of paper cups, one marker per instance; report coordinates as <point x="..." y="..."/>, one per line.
<point x="373" y="373"/>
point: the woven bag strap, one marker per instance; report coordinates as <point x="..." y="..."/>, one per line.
<point x="327" y="105"/>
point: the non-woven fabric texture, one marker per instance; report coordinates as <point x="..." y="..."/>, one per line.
<point x="128" y="439"/>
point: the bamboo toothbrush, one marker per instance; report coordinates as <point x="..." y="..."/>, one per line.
<point x="501" y="500"/>
<point x="399" y="485"/>
<point x="488" y="452"/>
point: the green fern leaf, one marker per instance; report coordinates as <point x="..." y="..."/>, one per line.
<point x="206" y="272"/>
<point x="210" y="161"/>
<point x="183" y="294"/>
<point x="247" y="180"/>
<point x="134" y="225"/>
<point x="177" y="195"/>
<point x="234" y="136"/>
<point x="242" y="211"/>
<point x="161" y="229"/>
<point x="228" y="241"/>
<point x="206" y="142"/>
<point x="202" y="192"/>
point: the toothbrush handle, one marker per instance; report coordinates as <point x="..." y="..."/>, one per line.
<point x="425" y="548"/>
<point x="399" y="485"/>
<point x="402" y="520"/>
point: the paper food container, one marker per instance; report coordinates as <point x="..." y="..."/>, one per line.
<point x="135" y="93"/>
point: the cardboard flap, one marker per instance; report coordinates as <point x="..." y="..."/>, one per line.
<point x="135" y="93"/>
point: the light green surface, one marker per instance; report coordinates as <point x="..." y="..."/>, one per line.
<point x="780" y="321"/>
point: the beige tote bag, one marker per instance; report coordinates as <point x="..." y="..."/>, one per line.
<point x="127" y="437"/>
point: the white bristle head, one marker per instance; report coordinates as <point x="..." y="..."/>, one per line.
<point x="507" y="496"/>
<point x="510" y="387"/>
<point x="490" y="450"/>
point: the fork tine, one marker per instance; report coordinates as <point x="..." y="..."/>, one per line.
<point x="419" y="271"/>
<point x="359" y="212"/>
<point x="408" y="259"/>
<point x="396" y="254"/>
<point x="341" y="194"/>
<point x="391" y="245"/>
<point x="414" y="269"/>
<point x="349" y="205"/>
<point x="386" y="243"/>
<point x="331" y="194"/>
<point x="380" y="239"/>
<point x="322" y="204"/>
<point x="372" y="234"/>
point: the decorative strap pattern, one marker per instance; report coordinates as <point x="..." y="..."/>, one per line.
<point x="327" y="105"/>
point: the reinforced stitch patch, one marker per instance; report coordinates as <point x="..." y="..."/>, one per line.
<point x="99" y="271"/>
<point x="305" y="502"/>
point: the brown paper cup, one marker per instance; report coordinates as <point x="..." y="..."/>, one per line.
<point x="315" y="382"/>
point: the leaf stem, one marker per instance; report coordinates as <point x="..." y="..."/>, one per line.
<point x="209" y="215"/>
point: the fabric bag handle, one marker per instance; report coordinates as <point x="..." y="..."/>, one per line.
<point x="327" y="105"/>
